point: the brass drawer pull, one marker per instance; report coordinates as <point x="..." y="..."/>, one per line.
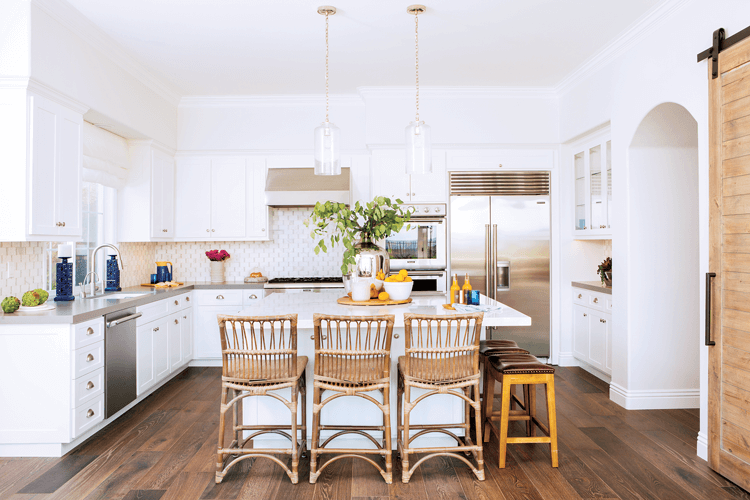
<point x="177" y="322"/>
<point x="253" y="296"/>
<point x="580" y="296"/>
<point x="89" y="331"/>
<point x="596" y="300"/>
<point x="219" y="297"/>
<point x="89" y="386"/>
<point x="90" y="358"/>
<point x="89" y="413"/>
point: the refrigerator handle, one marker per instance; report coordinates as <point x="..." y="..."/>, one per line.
<point x="487" y="261"/>
<point x="493" y="261"/>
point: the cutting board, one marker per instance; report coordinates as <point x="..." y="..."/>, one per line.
<point x="150" y="285"/>
<point x="346" y="301"/>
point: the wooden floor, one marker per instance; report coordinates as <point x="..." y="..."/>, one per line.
<point x="164" y="449"/>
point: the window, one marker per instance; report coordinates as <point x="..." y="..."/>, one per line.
<point x="98" y="222"/>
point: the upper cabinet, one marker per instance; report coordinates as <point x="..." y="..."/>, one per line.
<point x="220" y="198"/>
<point x="592" y="175"/>
<point x="389" y="178"/>
<point x="146" y="204"/>
<point x="54" y="174"/>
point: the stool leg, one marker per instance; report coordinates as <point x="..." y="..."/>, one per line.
<point x="222" y="424"/>
<point x="295" y="457"/>
<point x="405" y="475"/>
<point x="504" y="414"/>
<point x="399" y="415"/>
<point x="549" y="388"/>
<point x="531" y="407"/>
<point x="467" y="418"/>
<point x="315" y="436"/>
<point x="489" y="398"/>
<point x="303" y="426"/>
<point x="478" y="423"/>
<point x="387" y="435"/>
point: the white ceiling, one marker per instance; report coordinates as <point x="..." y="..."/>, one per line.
<point x="240" y="47"/>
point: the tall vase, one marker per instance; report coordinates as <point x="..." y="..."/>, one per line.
<point x="370" y="259"/>
<point x="217" y="271"/>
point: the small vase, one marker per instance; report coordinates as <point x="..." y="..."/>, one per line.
<point x="217" y="271"/>
<point x="370" y="259"/>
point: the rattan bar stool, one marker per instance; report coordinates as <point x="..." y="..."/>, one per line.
<point x="352" y="357"/>
<point x="527" y="370"/>
<point x="442" y="357"/>
<point x="259" y="355"/>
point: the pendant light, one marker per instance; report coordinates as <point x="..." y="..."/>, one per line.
<point x="327" y="135"/>
<point x="418" y="141"/>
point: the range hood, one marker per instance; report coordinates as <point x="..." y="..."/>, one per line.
<point x="300" y="187"/>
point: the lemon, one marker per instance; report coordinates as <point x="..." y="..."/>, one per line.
<point x="384" y="296"/>
<point x="403" y="273"/>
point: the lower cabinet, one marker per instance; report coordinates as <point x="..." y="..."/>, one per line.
<point x="210" y="304"/>
<point x="186" y="337"/>
<point x="592" y="329"/>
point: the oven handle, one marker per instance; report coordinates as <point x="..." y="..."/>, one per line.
<point x="437" y="220"/>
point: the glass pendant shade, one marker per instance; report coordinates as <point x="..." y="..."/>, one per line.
<point x="327" y="149"/>
<point x="418" y="148"/>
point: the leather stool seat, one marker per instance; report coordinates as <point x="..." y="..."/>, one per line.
<point x="488" y="346"/>
<point x="519" y="364"/>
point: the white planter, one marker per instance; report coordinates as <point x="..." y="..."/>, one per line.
<point x="217" y="271"/>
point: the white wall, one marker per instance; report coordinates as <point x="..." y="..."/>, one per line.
<point x="660" y="67"/>
<point x="15" y="32"/>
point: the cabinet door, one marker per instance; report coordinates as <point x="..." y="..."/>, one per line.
<point x="228" y="198"/>
<point x="68" y="174"/>
<point x="42" y="183"/>
<point x="389" y="177"/>
<point x="186" y="336"/>
<point x="430" y="187"/>
<point x="579" y="169"/>
<point x="161" y="348"/>
<point x="581" y="333"/>
<point x="157" y="190"/>
<point x="193" y="198"/>
<point x="597" y="340"/>
<point x="175" y="341"/>
<point x="167" y="195"/>
<point x="145" y="357"/>
<point x="257" y="210"/>
<point x="608" y="339"/>
<point x="207" y="340"/>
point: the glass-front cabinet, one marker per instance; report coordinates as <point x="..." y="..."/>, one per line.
<point x="592" y="171"/>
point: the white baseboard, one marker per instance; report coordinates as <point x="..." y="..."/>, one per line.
<point x="702" y="446"/>
<point x="206" y="362"/>
<point x="654" y="399"/>
<point x="567" y="359"/>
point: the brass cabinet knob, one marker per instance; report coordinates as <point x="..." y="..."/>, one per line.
<point x="213" y="230"/>
<point x="187" y="299"/>
<point x="603" y="320"/>
<point x="90" y="385"/>
<point x="219" y="297"/>
<point x="580" y="296"/>
<point x="89" y="331"/>
<point x="395" y="336"/>
<point x="63" y="224"/>
<point x="208" y="231"/>
<point x="184" y="317"/>
<point x="177" y="302"/>
<point x="596" y="300"/>
<point x="90" y="358"/>
<point x="584" y="315"/>
<point x="177" y="322"/>
<point x="156" y="329"/>
<point x="253" y="296"/>
<point x="264" y="229"/>
<point x="90" y="413"/>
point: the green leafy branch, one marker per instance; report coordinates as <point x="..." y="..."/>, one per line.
<point x="336" y="223"/>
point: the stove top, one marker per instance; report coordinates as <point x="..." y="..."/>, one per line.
<point x="306" y="282"/>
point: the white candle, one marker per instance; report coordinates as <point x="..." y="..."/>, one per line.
<point x="64" y="251"/>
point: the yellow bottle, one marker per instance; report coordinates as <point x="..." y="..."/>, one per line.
<point x="455" y="290"/>
<point x="466" y="289"/>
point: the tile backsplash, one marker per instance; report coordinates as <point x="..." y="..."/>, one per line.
<point x="139" y="260"/>
<point x="21" y="267"/>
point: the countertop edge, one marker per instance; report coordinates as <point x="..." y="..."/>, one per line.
<point x="594" y="286"/>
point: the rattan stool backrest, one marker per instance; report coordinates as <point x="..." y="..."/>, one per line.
<point x="353" y="348"/>
<point x="441" y="348"/>
<point x="259" y="348"/>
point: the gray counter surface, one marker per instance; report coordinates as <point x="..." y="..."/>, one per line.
<point x="80" y="310"/>
<point x="595" y="286"/>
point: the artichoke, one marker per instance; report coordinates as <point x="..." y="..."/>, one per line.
<point x="44" y="294"/>
<point x="31" y="299"/>
<point x="10" y="305"/>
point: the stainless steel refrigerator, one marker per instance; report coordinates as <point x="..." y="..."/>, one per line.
<point x="500" y="236"/>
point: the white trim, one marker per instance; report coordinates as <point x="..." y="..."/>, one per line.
<point x="219" y="101"/>
<point x="14" y="82"/>
<point x="71" y="18"/>
<point x="153" y="143"/>
<point x="654" y="399"/>
<point x="206" y="362"/>
<point x="462" y="92"/>
<point x="567" y="359"/>
<point x="42" y="90"/>
<point x="702" y="446"/>
<point x="615" y="48"/>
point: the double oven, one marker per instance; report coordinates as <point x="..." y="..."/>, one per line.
<point x="422" y="248"/>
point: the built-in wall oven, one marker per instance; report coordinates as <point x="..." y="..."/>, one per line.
<point x="423" y="246"/>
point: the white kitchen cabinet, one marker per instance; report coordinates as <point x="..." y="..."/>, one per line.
<point x="258" y="226"/>
<point x="54" y="171"/>
<point x="592" y="176"/>
<point x="152" y="353"/>
<point x="592" y="330"/>
<point x="500" y="159"/>
<point x="146" y="203"/>
<point x="193" y="198"/>
<point x="211" y="303"/>
<point x="186" y="336"/>
<point x="389" y="178"/>
<point x="228" y="198"/>
<point x="175" y="341"/>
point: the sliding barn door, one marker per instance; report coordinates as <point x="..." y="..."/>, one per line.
<point x="729" y="259"/>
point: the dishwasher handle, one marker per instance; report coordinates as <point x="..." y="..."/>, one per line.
<point x="116" y="322"/>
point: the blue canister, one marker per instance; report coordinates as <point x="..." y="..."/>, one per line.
<point x="113" y="275"/>
<point x="64" y="282"/>
<point x="474" y="297"/>
<point x="154" y="279"/>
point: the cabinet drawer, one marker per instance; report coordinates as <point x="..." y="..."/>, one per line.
<point x="87" y="359"/>
<point x="88" y="333"/>
<point x="152" y="311"/>
<point x="597" y="301"/>
<point x="609" y="304"/>
<point x="178" y="303"/>
<point x="219" y="297"/>
<point x="253" y="296"/>
<point x="580" y="296"/>
<point x="88" y="387"/>
<point x="88" y="415"/>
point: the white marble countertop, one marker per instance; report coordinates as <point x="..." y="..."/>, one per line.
<point x="306" y="304"/>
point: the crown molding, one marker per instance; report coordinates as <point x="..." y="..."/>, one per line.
<point x="152" y="143"/>
<point x="458" y="92"/>
<point x="626" y="40"/>
<point x="14" y="82"/>
<point x="217" y="101"/>
<point x="42" y="90"/>
<point x="71" y="18"/>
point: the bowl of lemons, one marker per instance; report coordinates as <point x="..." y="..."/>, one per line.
<point x="398" y="286"/>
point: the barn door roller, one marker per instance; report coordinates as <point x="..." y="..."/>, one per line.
<point x="720" y="43"/>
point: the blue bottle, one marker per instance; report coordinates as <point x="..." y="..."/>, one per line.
<point x="113" y="275"/>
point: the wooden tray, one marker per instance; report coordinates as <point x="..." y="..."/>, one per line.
<point x="346" y="301"/>
<point x="151" y="285"/>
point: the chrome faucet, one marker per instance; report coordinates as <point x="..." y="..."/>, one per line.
<point x="92" y="266"/>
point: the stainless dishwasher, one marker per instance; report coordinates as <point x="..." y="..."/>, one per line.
<point x="119" y="360"/>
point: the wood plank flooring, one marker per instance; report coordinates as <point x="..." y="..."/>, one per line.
<point x="163" y="449"/>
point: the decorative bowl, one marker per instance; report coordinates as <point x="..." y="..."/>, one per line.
<point x="398" y="290"/>
<point x="378" y="283"/>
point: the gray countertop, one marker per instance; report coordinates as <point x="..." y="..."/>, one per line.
<point x="595" y="286"/>
<point x="80" y="310"/>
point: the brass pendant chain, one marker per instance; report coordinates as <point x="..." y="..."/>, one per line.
<point x="416" y="42"/>
<point x="326" y="68"/>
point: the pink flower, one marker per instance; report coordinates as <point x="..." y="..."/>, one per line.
<point x="217" y="255"/>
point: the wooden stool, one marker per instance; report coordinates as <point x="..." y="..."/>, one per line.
<point x="259" y="354"/>
<point x="352" y="357"/>
<point x="497" y="348"/>
<point x="520" y="369"/>
<point x="442" y="357"/>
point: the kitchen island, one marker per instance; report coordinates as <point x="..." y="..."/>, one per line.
<point x="354" y="410"/>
